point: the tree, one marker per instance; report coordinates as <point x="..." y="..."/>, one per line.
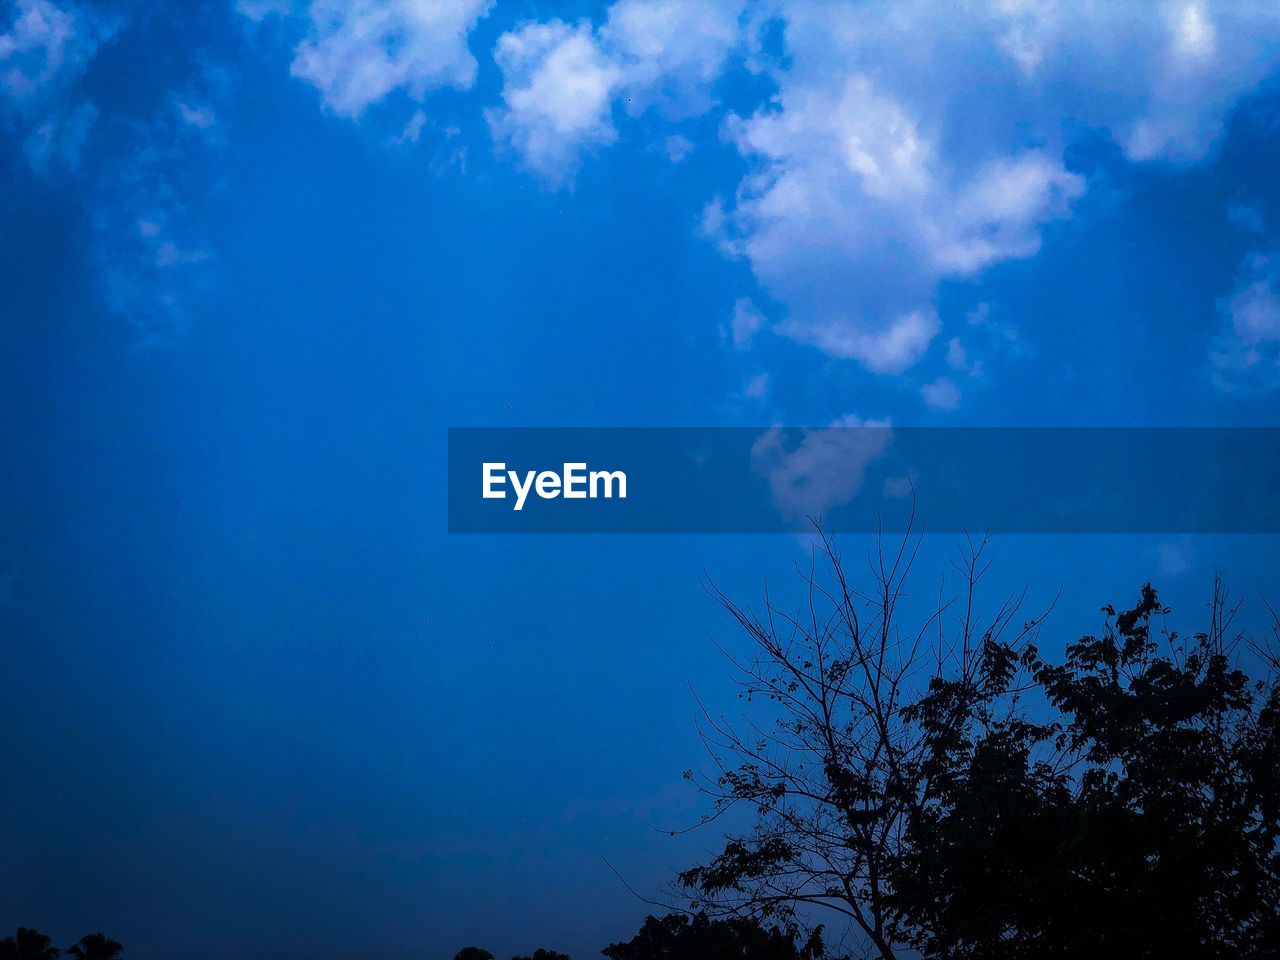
<point x="834" y="773"/>
<point x="96" y="946"/>
<point x="680" y="937"/>
<point x="28" y="945"/>
<point x="473" y="953"/>
<point x="541" y="954"/>
<point x="1142" y="821"/>
<point x="944" y="789"/>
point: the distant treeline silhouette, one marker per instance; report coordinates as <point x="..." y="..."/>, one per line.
<point x="681" y="936"/>
<point x="33" y="945"/>
<point x="675" y="937"/>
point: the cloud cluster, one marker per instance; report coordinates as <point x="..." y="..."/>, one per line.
<point x="899" y="146"/>
<point x="563" y="81"/>
<point x="854" y="214"/>
<point x="906" y="144"/>
<point x="909" y="145"/>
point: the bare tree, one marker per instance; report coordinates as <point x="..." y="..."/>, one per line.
<point x="834" y="772"/>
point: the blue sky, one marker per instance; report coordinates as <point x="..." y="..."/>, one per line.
<point x="257" y="258"/>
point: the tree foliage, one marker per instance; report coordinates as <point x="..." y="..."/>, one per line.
<point x="28" y="945"/>
<point x="96" y="946"/>
<point x="681" y="937"/>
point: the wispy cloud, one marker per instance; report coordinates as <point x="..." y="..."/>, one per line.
<point x="823" y="468"/>
<point x="1175" y="557"/>
<point x="59" y="138"/>
<point x="745" y="322"/>
<point x="1245" y="354"/>
<point x="151" y="265"/>
<point x="43" y="56"/>
<point x="941" y="394"/>
<point x="756" y="387"/>
<point x="154" y="267"/>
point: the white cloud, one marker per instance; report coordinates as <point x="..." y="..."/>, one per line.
<point x="671" y="52"/>
<point x="890" y="347"/>
<point x="197" y="115"/>
<point x="561" y="81"/>
<point x="997" y="216"/>
<point x="1246" y="353"/>
<point x="825" y="469"/>
<point x="1192" y="85"/>
<point x="359" y="51"/>
<point x="259" y="10"/>
<point x="958" y="359"/>
<point x="1192" y="34"/>
<point x="412" y="131"/>
<point x="1255" y="307"/>
<point x="558" y="90"/>
<point x="678" y="148"/>
<point x="941" y="394"/>
<point x="745" y="323"/>
<point x="854" y="214"/>
<point x="1162" y="81"/>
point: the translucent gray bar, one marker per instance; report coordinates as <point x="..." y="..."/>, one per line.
<point x="860" y="479"/>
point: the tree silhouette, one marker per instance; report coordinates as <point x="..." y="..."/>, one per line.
<point x="28" y="945"/>
<point x="679" y="937"/>
<point x="945" y="789"/>
<point x="541" y="954"/>
<point x="473" y="953"/>
<point x="96" y="946"/>
<point x="1141" y="821"/>
<point x="833" y="775"/>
